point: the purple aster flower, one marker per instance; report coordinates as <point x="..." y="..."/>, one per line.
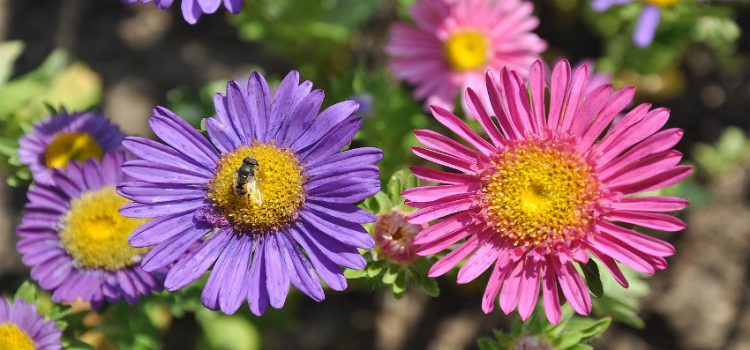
<point x="59" y="139"/>
<point x="21" y="328"/>
<point x="268" y="196"/>
<point x="647" y="22"/>
<point x="75" y="240"/>
<point x="192" y="10"/>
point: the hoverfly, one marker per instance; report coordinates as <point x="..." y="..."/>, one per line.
<point x="245" y="183"/>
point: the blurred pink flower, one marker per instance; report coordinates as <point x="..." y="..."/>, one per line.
<point x="454" y="42"/>
<point x="548" y="189"/>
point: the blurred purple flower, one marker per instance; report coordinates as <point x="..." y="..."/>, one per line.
<point x="192" y="10"/>
<point x="647" y="22"/>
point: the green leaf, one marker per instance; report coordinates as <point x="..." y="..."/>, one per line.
<point x="391" y="275"/>
<point x="580" y="346"/>
<point x="9" y="52"/>
<point x="593" y="278"/>
<point x="27" y="292"/>
<point x="619" y="310"/>
<point x="228" y="333"/>
<point x="375" y="268"/>
<point x="384" y="203"/>
<point x="355" y="274"/>
<point x="430" y="287"/>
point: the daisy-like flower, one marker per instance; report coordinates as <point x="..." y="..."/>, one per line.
<point x="21" y="328"/>
<point x="648" y="21"/>
<point x="394" y="238"/>
<point x="75" y="240"/>
<point x="270" y="199"/>
<point x="57" y="140"/>
<point x="192" y="10"/>
<point x="454" y="42"/>
<point x="549" y="189"/>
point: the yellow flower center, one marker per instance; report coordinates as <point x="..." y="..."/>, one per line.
<point x="69" y="146"/>
<point x="12" y="337"/>
<point x="467" y="50"/>
<point x="269" y="199"/>
<point x="538" y="193"/>
<point x="662" y="3"/>
<point x="96" y="235"/>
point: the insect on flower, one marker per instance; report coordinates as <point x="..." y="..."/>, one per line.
<point x="245" y="182"/>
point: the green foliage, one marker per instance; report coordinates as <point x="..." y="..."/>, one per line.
<point x="382" y="273"/>
<point x="314" y="34"/>
<point x="732" y="149"/>
<point x="621" y="303"/>
<point x="572" y="333"/>
<point x="393" y="117"/>
<point x="689" y="22"/>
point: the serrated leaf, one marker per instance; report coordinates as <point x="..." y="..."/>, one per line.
<point x="430" y="287"/>
<point x="375" y="268"/>
<point x="390" y="275"/>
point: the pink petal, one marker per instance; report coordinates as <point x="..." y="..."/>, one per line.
<point x="461" y="129"/>
<point x="620" y="99"/>
<point x="449" y="261"/>
<point x="434" y="175"/>
<point x="658" y="204"/>
<point x="666" y="178"/>
<point x="644" y="243"/>
<point x="655" y="221"/>
<point x="592" y="106"/>
<point x="638" y="132"/>
<point x="658" y="142"/>
<point x="502" y="113"/>
<point x="445" y="144"/>
<point x="425" y="215"/>
<point x="551" y="298"/>
<point x="573" y="287"/>
<point x="443" y="228"/>
<point x="574" y="98"/>
<point x="537" y="85"/>
<point x="442" y="243"/>
<point x="493" y="285"/>
<point x="443" y="159"/>
<point x="611" y="265"/>
<point x="510" y="293"/>
<point x="477" y="109"/>
<point x="621" y="252"/>
<point x="644" y="168"/>
<point x="529" y="289"/>
<point x="558" y="88"/>
<point x="479" y="262"/>
<point x="431" y="193"/>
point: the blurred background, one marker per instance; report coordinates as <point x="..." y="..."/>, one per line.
<point x="124" y="60"/>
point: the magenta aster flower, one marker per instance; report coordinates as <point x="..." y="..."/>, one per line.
<point x="548" y="189"/>
<point x="75" y="240"/>
<point x="21" y="328"/>
<point x="648" y="22"/>
<point x="454" y="43"/>
<point x="57" y="140"/>
<point x="192" y="10"/>
<point x="270" y="199"/>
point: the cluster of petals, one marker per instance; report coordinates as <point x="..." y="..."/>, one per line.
<point x="417" y="52"/>
<point x="628" y="158"/>
<point x="171" y="181"/>
<point x="192" y="10"/>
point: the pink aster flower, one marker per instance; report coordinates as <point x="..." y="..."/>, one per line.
<point x="552" y="187"/>
<point x="454" y="42"/>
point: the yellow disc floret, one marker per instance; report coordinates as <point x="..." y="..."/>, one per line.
<point x="96" y="235"/>
<point x="539" y="192"/>
<point x="71" y="146"/>
<point x="272" y="195"/>
<point x="467" y="50"/>
<point x="662" y="3"/>
<point x="12" y="337"/>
